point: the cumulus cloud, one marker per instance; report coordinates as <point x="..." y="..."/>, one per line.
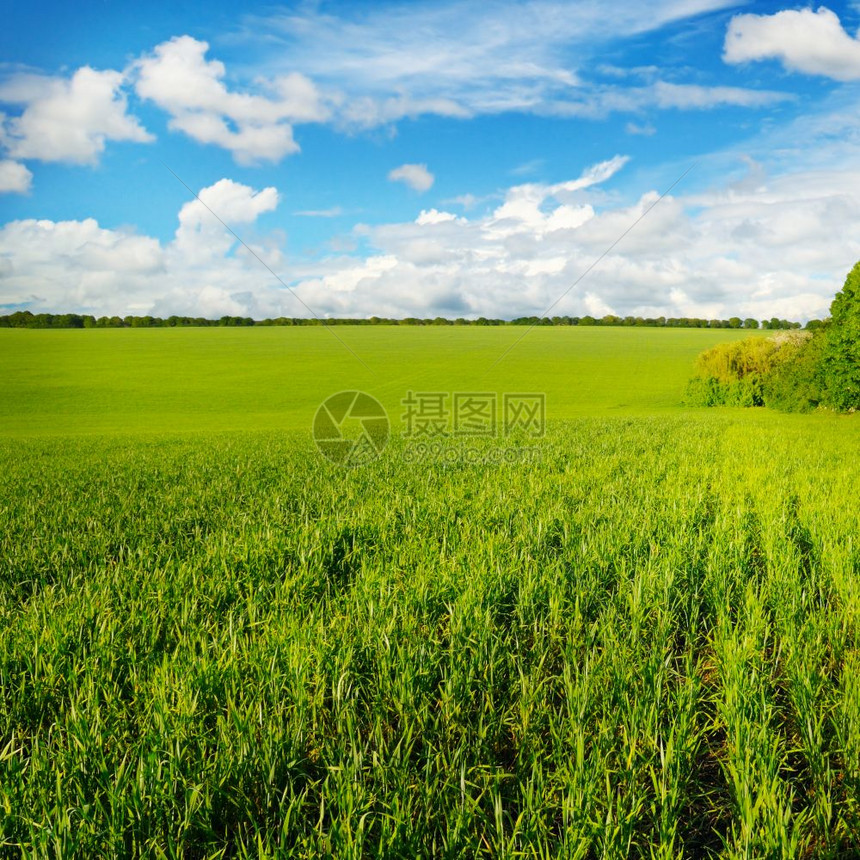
<point x="416" y="176"/>
<point x="201" y="236"/>
<point x="760" y="246"/>
<point x="434" y="216"/>
<point x="14" y="177"/>
<point x="253" y="126"/>
<point x="803" y="40"/>
<point x="70" y="119"/>
<point x="776" y="246"/>
<point x="78" y="265"/>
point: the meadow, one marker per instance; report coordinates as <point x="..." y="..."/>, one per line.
<point x="214" y="643"/>
<point x="197" y="379"/>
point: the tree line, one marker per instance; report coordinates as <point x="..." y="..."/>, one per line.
<point x="791" y="371"/>
<point x="27" y="319"/>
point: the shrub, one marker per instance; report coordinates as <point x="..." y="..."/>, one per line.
<point x="737" y="374"/>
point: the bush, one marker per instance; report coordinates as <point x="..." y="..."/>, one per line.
<point x="738" y="373"/>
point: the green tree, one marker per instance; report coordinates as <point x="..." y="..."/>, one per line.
<point x="796" y="384"/>
<point x="841" y="360"/>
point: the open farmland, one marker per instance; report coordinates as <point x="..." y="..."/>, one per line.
<point x="192" y="379"/>
<point x="643" y="643"/>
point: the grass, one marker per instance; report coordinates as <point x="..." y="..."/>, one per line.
<point x="213" y="644"/>
<point x="168" y="380"/>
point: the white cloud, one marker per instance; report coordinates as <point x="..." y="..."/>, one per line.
<point x="525" y="206"/>
<point x="644" y="129"/>
<point x="416" y="176"/>
<point x="333" y="212"/>
<point x="459" y="58"/>
<point x="14" y="177"/>
<point x="761" y="246"/>
<point x="595" y="305"/>
<point x="593" y="175"/>
<point x="598" y="102"/>
<point x="527" y="168"/>
<point x="434" y="216"/>
<point x="67" y="119"/>
<point x="694" y="97"/>
<point x="778" y="246"/>
<point x="802" y="39"/>
<point x="453" y="59"/>
<point x="201" y="237"/>
<point x="254" y="127"/>
<point x="79" y="265"/>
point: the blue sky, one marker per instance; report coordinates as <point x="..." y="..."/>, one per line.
<point x="424" y="158"/>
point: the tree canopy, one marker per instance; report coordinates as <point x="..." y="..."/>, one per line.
<point x="841" y="359"/>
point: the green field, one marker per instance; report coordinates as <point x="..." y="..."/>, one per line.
<point x="642" y="642"/>
<point x="157" y="380"/>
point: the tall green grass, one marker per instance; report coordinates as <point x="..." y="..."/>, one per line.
<point x="643" y="645"/>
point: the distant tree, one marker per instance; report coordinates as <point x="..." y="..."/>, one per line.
<point x="68" y="321"/>
<point x="25" y="319"/>
<point x="735" y="322"/>
<point x="749" y="322"/>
